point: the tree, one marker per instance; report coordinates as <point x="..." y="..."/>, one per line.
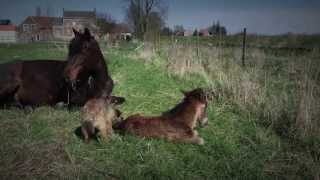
<point x="178" y="30"/>
<point x="166" y="31"/>
<point x="195" y="32"/>
<point x="140" y="13"/>
<point x="105" y="22"/>
<point x="38" y="11"/>
<point x="154" y="26"/>
<point x="217" y="29"/>
<point x="49" y="10"/>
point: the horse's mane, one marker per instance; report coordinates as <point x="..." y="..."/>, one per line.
<point x="74" y="46"/>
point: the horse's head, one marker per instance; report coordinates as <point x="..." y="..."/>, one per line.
<point x="83" y="58"/>
<point x="200" y="98"/>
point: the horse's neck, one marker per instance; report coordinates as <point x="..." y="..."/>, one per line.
<point x="184" y="112"/>
<point x="101" y="70"/>
<point x="102" y="81"/>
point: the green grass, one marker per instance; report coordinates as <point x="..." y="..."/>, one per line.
<point x="41" y="144"/>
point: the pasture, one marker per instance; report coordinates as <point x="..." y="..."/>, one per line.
<point x="264" y="126"/>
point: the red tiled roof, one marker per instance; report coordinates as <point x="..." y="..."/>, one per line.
<point x="7" y="28"/>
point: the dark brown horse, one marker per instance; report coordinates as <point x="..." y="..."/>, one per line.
<point x="42" y="82"/>
<point x="86" y="70"/>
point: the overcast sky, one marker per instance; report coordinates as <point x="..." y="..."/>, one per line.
<point x="259" y="16"/>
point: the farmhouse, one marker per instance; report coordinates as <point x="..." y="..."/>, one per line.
<point x="43" y="28"/>
<point x="188" y="33"/>
<point x="79" y="20"/>
<point x="8" y="34"/>
<point x="204" y="32"/>
<point x="38" y="28"/>
<point x="121" y="31"/>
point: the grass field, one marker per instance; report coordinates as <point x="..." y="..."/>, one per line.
<point x="41" y="143"/>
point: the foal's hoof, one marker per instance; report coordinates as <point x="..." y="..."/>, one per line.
<point x="200" y="141"/>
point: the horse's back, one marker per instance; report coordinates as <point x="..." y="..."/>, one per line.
<point x="33" y="82"/>
<point x="43" y="66"/>
<point x="41" y="77"/>
<point x="8" y="69"/>
<point x="144" y="126"/>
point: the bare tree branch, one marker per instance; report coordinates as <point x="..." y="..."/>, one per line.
<point x="140" y="13"/>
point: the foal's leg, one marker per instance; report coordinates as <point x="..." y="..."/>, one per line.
<point x="103" y="131"/>
<point x="196" y="139"/>
<point x="87" y="131"/>
<point x="191" y="137"/>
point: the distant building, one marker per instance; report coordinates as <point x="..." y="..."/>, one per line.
<point x="38" y="28"/>
<point x="121" y="31"/>
<point x="179" y="33"/>
<point x="204" y="32"/>
<point x="43" y="28"/>
<point x="8" y="34"/>
<point x="188" y="33"/>
<point x="5" y="22"/>
<point x="79" y="20"/>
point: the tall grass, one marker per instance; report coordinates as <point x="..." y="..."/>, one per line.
<point x="264" y="125"/>
<point x="280" y="89"/>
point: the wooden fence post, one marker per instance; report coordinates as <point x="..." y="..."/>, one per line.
<point x="244" y="46"/>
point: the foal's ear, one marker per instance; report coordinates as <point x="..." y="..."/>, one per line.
<point x="76" y="33"/>
<point x="117" y="100"/>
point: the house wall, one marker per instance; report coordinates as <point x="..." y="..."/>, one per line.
<point x="8" y="36"/>
<point x="57" y="32"/>
<point x="32" y="33"/>
<point x="79" y="24"/>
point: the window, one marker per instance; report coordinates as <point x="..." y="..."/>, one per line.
<point x="26" y="28"/>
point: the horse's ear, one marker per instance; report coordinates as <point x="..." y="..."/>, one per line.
<point x="87" y="33"/>
<point x="76" y="33"/>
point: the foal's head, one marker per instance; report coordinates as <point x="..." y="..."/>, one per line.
<point x="199" y="97"/>
<point x="83" y="58"/>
